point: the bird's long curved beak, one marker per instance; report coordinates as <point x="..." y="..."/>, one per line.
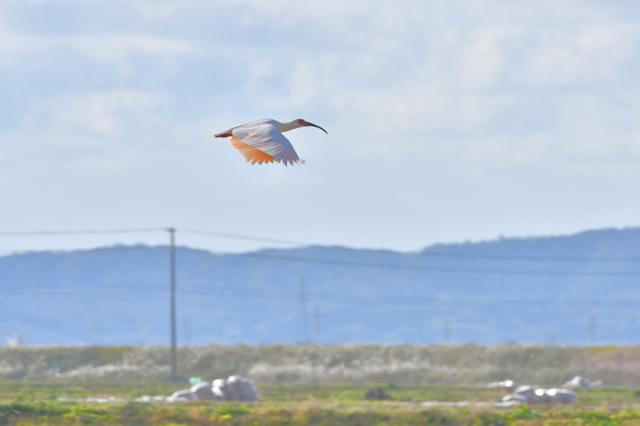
<point x="315" y="125"/>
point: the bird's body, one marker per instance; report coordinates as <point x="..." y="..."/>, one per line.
<point x="262" y="141"/>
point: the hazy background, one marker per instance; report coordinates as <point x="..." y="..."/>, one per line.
<point x="448" y="120"/>
<point x="573" y="290"/>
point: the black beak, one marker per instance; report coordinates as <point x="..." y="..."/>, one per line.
<point x="316" y="126"/>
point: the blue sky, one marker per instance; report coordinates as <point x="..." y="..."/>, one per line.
<point x="447" y="120"/>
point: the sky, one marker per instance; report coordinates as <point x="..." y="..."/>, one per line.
<point x="448" y="120"/>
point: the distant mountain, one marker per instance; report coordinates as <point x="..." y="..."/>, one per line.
<point x="575" y="289"/>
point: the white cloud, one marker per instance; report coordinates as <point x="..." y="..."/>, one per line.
<point x="571" y="56"/>
<point x="12" y="43"/>
<point x="437" y="72"/>
<point x="115" y="48"/>
<point x="469" y="79"/>
<point x="486" y="55"/>
<point x="414" y="93"/>
<point x="118" y="49"/>
<point x="114" y="129"/>
<point x="103" y="113"/>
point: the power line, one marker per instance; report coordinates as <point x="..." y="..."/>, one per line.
<point x="398" y="306"/>
<point x="479" y="271"/>
<point x="531" y="258"/>
<point x="247" y="237"/>
<point x="37" y="233"/>
<point x="340" y="299"/>
<point x="375" y="265"/>
<point x="205" y="288"/>
<point x="356" y="299"/>
<point x="441" y="269"/>
<point x="346" y="299"/>
<point x="426" y="253"/>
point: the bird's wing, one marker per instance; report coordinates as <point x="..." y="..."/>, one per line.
<point x="263" y="143"/>
<point x="252" y="155"/>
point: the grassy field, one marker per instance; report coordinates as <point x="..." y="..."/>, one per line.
<point x="291" y="404"/>
<point x="317" y="385"/>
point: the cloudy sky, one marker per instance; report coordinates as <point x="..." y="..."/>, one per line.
<point x="447" y="120"/>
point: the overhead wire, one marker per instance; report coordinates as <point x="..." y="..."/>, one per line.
<point x="345" y="299"/>
<point x="377" y="265"/>
<point x="425" y="253"/>
<point x="325" y="298"/>
<point x="36" y="233"/>
<point x="244" y="237"/>
<point x="439" y="269"/>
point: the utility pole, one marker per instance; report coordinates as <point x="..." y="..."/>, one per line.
<point x="172" y="280"/>
<point x="303" y="312"/>
<point x="316" y="323"/>
<point x="446" y="329"/>
<point x="591" y="326"/>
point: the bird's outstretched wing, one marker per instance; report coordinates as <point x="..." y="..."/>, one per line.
<point x="252" y="155"/>
<point x="263" y="143"/>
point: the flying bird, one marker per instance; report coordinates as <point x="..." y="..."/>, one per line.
<point x="262" y="141"/>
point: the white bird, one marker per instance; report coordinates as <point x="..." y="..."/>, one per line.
<point x="262" y="141"/>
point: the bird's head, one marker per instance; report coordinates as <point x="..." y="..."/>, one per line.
<point x="304" y="123"/>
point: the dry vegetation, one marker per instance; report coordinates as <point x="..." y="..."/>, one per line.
<point x="357" y="364"/>
<point x="320" y="385"/>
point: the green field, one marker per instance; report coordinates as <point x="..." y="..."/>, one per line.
<point x="318" y="385"/>
<point x="37" y="404"/>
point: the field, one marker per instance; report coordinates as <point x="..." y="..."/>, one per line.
<point x="43" y="392"/>
<point x="38" y="404"/>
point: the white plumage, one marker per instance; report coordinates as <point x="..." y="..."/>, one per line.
<point x="262" y="141"/>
